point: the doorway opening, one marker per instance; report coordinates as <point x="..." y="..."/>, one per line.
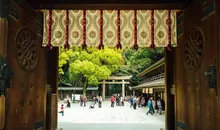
<point x="89" y="80"/>
<point x="128" y="64"/>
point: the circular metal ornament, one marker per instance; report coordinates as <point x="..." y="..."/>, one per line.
<point x="193" y="48"/>
<point x="26" y="49"/>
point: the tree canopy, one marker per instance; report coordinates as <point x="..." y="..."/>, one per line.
<point x="89" y="66"/>
<point x="135" y="61"/>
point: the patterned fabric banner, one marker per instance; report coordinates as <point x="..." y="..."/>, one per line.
<point x="45" y="28"/>
<point x="75" y="28"/>
<point x="58" y="27"/>
<point x="161" y="28"/>
<point x="127" y="28"/>
<point x="162" y="31"/>
<point x="110" y="28"/>
<point x="144" y="28"/>
<point x="173" y="28"/>
<point x="92" y="28"/>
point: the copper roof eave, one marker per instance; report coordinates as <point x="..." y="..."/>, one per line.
<point x="152" y="67"/>
<point x="152" y="84"/>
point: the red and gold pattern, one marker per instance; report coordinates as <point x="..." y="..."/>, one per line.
<point x="161" y="33"/>
<point x="101" y="29"/>
<point x="118" y="30"/>
<point x="152" y="29"/>
<point x="67" y="30"/>
<point x="135" y="29"/>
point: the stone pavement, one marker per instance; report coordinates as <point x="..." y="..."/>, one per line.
<point x="123" y="117"/>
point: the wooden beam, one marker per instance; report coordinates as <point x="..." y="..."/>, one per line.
<point x="119" y="77"/>
<point x="116" y="82"/>
<point x="106" y="1"/>
<point x="185" y="4"/>
<point x="174" y="6"/>
<point x="169" y="81"/>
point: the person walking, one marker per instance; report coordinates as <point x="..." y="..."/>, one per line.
<point x="159" y="106"/>
<point x="62" y="110"/>
<point x="81" y="100"/>
<point x="68" y="102"/>
<point x="135" y="101"/>
<point x="154" y="104"/>
<point x="142" y="102"/>
<point x="117" y="100"/>
<point x="112" y="101"/>
<point x="131" y="101"/>
<point x="100" y="102"/>
<point x="122" y="100"/>
<point x="84" y="101"/>
<point x="150" y="107"/>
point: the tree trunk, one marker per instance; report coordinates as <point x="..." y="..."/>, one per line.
<point x="85" y="87"/>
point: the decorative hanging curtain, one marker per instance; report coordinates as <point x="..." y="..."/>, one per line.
<point x="112" y="28"/>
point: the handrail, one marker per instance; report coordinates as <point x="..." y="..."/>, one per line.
<point x="153" y="78"/>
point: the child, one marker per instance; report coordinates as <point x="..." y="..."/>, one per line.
<point x="62" y="110"/>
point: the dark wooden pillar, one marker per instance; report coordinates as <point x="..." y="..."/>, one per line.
<point x="3" y="52"/>
<point x="52" y="69"/>
<point x="52" y="82"/>
<point x="169" y="82"/>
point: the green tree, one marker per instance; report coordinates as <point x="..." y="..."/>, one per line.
<point x="135" y="61"/>
<point x="88" y="67"/>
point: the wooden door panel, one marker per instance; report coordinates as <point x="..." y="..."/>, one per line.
<point x="197" y="104"/>
<point x="26" y="97"/>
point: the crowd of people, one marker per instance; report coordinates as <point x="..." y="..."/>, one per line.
<point x="151" y="104"/>
<point x="119" y="100"/>
<point x="96" y="100"/>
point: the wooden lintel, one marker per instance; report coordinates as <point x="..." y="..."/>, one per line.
<point x="116" y="82"/>
<point x="174" y="6"/>
<point x="120" y="77"/>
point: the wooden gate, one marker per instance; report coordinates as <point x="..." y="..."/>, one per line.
<point x="25" y="99"/>
<point x="196" y="60"/>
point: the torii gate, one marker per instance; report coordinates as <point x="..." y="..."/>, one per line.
<point x="123" y="82"/>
